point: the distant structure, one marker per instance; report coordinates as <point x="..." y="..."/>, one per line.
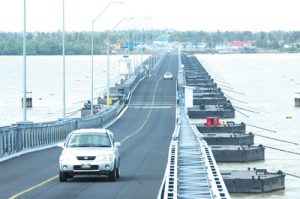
<point x="161" y="40"/>
<point x="297" y="101"/>
<point x="241" y="44"/>
<point x="236" y="46"/>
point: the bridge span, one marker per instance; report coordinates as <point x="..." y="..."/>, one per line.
<point x="147" y="126"/>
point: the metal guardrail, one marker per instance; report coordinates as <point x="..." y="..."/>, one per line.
<point x="24" y="136"/>
<point x="193" y="181"/>
<point x="170" y="186"/>
<point x="98" y="121"/>
<point x="191" y="171"/>
<point x="156" y="67"/>
<point x="217" y="184"/>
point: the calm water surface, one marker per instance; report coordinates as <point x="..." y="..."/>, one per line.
<point x="268" y="83"/>
<point x="44" y="80"/>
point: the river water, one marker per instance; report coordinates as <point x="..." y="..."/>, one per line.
<point x="44" y="80"/>
<point x="267" y="84"/>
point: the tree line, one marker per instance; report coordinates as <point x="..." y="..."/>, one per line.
<point x="79" y="43"/>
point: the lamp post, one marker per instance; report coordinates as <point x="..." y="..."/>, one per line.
<point x="24" y="65"/>
<point x="133" y="25"/>
<point x="150" y="51"/>
<point x="64" y="65"/>
<point x="142" y="21"/>
<point x="108" y="58"/>
<point x="141" y="51"/>
<point x="129" y="45"/>
<point x="92" y="53"/>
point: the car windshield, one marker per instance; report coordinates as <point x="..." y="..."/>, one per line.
<point x="89" y="140"/>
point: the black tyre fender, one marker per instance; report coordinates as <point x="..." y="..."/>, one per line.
<point x="62" y="177"/>
<point x="113" y="174"/>
<point x="118" y="170"/>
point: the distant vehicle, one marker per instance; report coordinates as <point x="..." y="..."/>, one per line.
<point x="89" y="152"/>
<point x="168" y="75"/>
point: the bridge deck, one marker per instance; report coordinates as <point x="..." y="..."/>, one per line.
<point x="145" y="131"/>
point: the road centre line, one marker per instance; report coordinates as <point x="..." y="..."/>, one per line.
<point x="148" y="116"/>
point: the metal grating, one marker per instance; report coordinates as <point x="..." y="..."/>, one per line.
<point x="193" y="181"/>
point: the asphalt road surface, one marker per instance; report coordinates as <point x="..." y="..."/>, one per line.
<point x="144" y="130"/>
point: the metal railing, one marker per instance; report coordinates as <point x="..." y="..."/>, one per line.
<point x="170" y="184"/>
<point x="214" y="175"/>
<point x="24" y="136"/>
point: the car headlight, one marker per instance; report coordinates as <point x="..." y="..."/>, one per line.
<point x="63" y="158"/>
<point x="105" y="157"/>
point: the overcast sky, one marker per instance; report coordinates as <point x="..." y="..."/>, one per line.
<point x="207" y="15"/>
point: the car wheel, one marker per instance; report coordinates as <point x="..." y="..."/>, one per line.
<point x="113" y="175"/>
<point x="62" y="177"/>
<point x="118" y="172"/>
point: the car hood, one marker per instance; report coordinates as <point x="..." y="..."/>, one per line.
<point x="86" y="151"/>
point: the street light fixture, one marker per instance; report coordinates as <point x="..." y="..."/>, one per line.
<point x="92" y="52"/>
<point x="133" y="35"/>
<point x="108" y="57"/>
<point x="144" y="19"/>
<point x="64" y="65"/>
<point x="137" y="23"/>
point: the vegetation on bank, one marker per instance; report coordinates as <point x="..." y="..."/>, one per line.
<point x="79" y="43"/>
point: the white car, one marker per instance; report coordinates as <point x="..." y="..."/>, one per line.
<point x="168" y="75"/>
<point x="89" y="152"/>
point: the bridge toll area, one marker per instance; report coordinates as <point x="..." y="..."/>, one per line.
<point x="229" y="141"/>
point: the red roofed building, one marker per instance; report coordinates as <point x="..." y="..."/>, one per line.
<point x="239" y="44"/>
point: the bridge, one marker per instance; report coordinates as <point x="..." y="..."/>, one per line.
<point x="162" y="154"/>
